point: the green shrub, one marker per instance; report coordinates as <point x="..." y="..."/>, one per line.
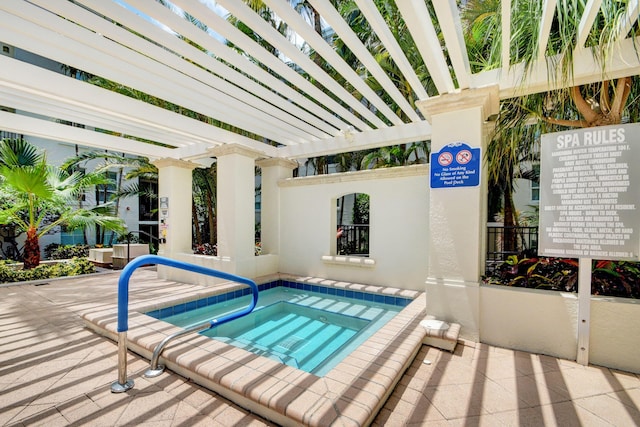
<point x="608" y="278"/>
<point x="55" y="251"/>
<point x="73" y="267"/>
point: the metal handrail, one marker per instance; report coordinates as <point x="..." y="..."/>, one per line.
<point x="123" y="384"/>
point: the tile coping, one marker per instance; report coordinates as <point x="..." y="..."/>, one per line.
<point x="351" y="394"/>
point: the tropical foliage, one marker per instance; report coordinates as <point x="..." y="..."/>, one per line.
<point x="72" y="267"/>
<point x="513" y="149"/>
<point x="43" y="197"/>
<point x="610" y="278"/>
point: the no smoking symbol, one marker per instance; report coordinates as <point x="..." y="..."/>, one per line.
<point x="464" y="157"/>
<point x="445" y="159"/>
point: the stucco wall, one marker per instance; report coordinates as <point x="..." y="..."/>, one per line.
<point x="530" y="320"/>
<point x="615" y="335"/>
<point x="398" y="226"/>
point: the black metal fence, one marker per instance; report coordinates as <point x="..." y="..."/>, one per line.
<point x="353" y="239"/>
<point x="505" y="241"/>
<point x="10" y="135"/>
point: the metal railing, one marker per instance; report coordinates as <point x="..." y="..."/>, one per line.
<point x="123" y="383"/>
<point x="139" y="232"/>
<point x="505" y="241"/>
<point x="353" y="239"/>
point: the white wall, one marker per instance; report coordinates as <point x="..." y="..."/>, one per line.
<point x="398" y="226"/>
<point x="615" y="335"/>
<point x="531" y="320"/>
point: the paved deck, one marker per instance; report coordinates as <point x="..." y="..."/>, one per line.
<point x="55" y="371"/>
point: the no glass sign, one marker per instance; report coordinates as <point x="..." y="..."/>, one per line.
<point x="455" y="165"/>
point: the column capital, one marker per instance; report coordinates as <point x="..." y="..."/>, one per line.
<point x="167" y="161"/>
<point x="488" y="98"/>
<point x="277" y="161"/>
<point x="226" y="149"/>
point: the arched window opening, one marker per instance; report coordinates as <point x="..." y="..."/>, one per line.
<point x="353" y="226"/>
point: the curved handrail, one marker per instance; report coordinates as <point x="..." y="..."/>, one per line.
<point x="124" y="384"/>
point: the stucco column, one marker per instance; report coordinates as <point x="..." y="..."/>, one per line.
<point x="457" y="213"/>
<point x="235" y="206"/>
<point x="174" y="203"/>
<point x="273" y="170"/>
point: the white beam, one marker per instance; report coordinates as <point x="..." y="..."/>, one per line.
<point x="586" y="22"/>
<point x="380" y="27"/>
<point x="252" y="93"/>
<point x="334" y="113"/>
<point x="548" y="12"/>
<point x="628" y="20"/>
<point x="347" y="142"/>
<point x="342" y="29"/>
<point x="418" y="20"/>
<point x="451" y="27"/>
<point x="329" y="55"/>
<point x="255" y="22"/>
<point x="506" y="33"/>
<point x="116" y="112"/>
<point x="54" y="37"/>
<point x="35" y="127"/>
<point x="244" y="90"/>
<point x="622" y="61"/>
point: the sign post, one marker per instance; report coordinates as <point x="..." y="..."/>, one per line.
<point x="589" y="196"/>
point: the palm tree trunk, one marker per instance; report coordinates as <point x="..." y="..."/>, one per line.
<point x="510" y="244"/>
<point x="31" y="249"/>
<point x="196" y="223"/>
<point x="212" y="223"/>
<point x="117" y="206"/>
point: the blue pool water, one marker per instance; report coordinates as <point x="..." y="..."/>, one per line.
<point x="308" y="329"/>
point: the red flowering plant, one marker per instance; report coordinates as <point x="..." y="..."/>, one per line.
<point x="205" y="249"/>
<point x="608" y="278"/>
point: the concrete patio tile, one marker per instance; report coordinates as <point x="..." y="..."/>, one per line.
<point x="417" y="410"/>
<point x="564" y="414"/>
<point x="611" y="410"/>
<point x="583" y="382"/>
<point x="475" y="385"/>
<point x="626" y="379"/>
<point x="83" y="411"/>
<point x="8" y="413"/>
<point x="531" y="391"/>
<point x="41" y="415"/>
<point x="148" y="407"/>
<point x="234" y="416"/>
<point x="25" y="393"/>
<point x="455" y="372"/>
<point x="455" y="401"/>
<point x="630" y="397"/>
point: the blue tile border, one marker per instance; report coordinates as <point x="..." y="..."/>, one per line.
<point x="327" y="290"/>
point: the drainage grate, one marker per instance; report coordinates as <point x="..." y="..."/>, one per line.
<point x="291" y="343"/>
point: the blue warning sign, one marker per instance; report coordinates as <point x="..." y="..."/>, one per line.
<point x="455" y="165"/>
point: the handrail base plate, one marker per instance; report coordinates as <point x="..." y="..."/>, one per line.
<point x="152" y="373"/>
<point x="117" y="387"/>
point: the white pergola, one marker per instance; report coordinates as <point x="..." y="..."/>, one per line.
<point x="144" y="45"/>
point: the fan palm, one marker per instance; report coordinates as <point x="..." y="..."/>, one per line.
<point x="44" y="196"/>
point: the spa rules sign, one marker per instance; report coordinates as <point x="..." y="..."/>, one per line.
<point x="590" y="193"/>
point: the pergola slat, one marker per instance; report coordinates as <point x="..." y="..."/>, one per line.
<point x="419" y="22"/>
<point x="296" y="107"/>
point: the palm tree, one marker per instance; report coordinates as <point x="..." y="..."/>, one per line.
<point x="204" y="201"/>
<point x="396" y="155"/>
<point x="137" y="167"/>
<point x="522" y="120"/>
<point x="44" y="197"/>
